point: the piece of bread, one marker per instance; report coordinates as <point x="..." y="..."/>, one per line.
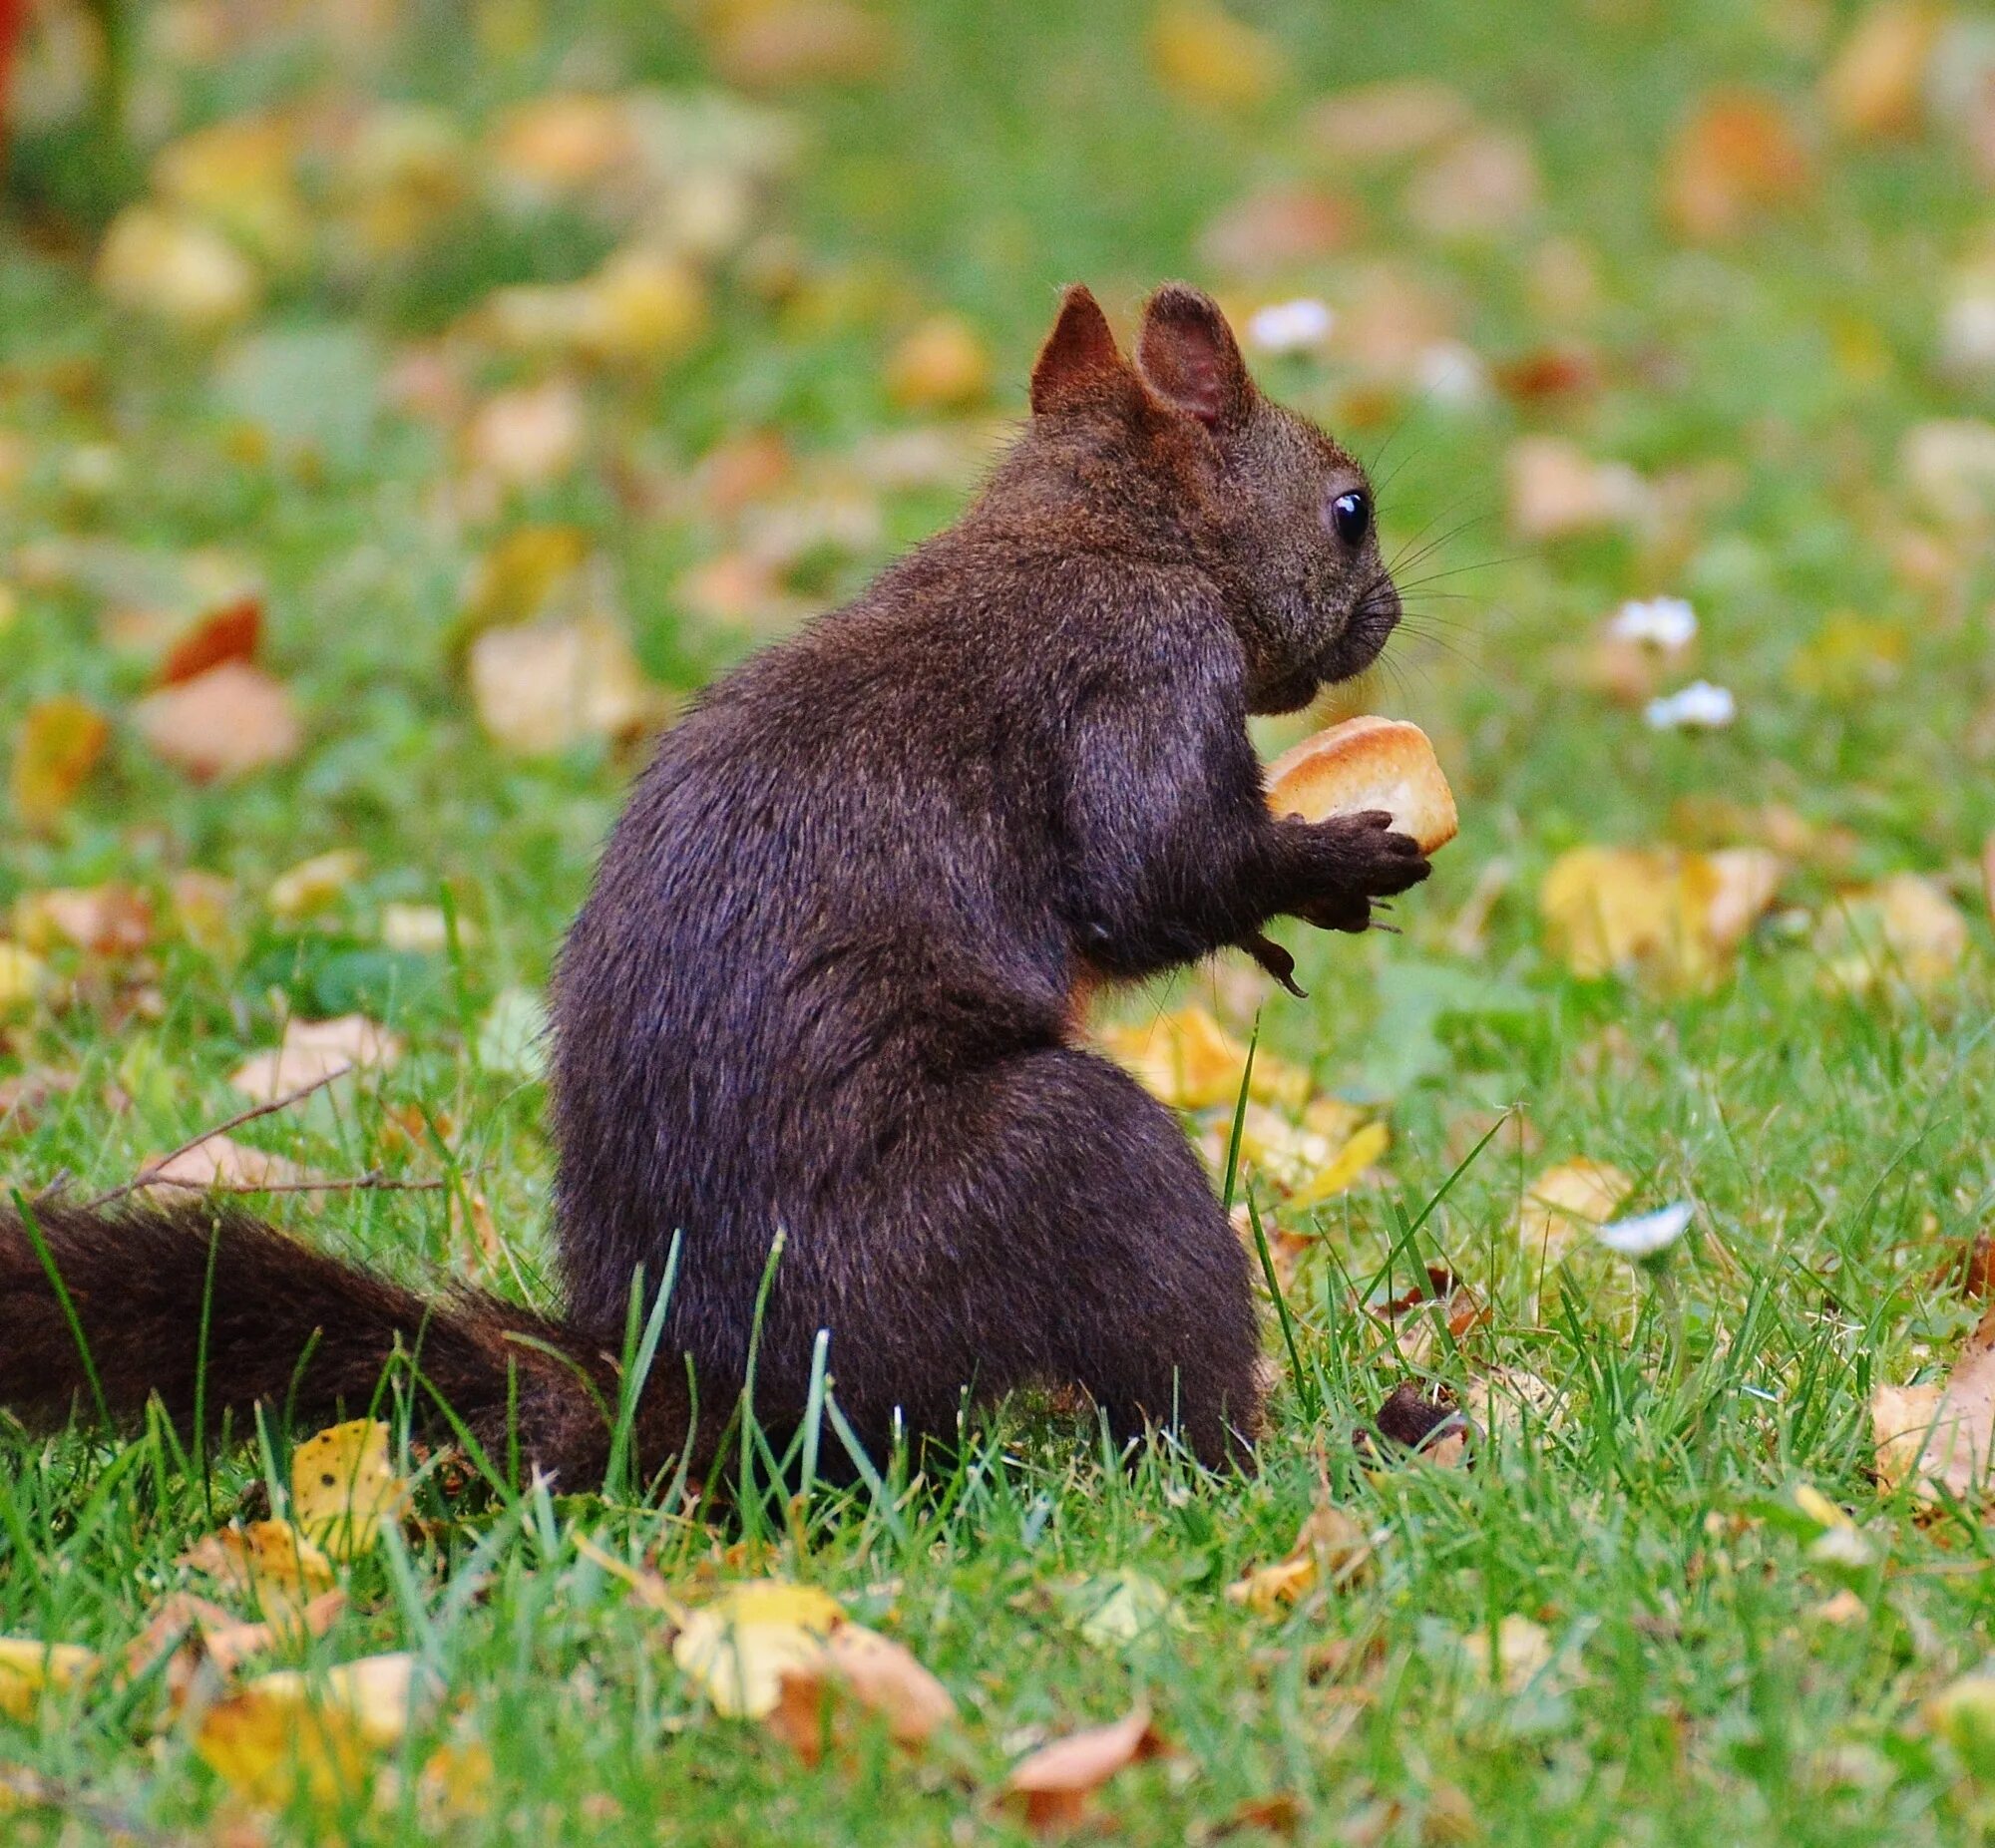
<point x="1366" y="763"/>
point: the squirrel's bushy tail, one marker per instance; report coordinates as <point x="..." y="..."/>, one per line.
<point x="288" y="1327"/>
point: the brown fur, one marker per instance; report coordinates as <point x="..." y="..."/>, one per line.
<point x="825" y="979"/>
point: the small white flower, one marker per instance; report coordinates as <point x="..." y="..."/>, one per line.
<point x="1649" y="1234"/>
<point x="1291" y="327"/>
<point x="1697" y="707"/>
<point x="1660" y="622"/>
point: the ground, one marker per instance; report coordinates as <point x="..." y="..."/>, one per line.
<point x="1653" y="300"/>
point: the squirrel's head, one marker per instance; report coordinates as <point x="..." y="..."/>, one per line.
<point x="1280" y="514"/>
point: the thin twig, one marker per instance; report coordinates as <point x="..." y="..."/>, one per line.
<point x="152" y="1171"/>
<point x="372" y="1182"/>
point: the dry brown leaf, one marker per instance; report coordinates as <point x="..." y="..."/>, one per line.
<point x="344" y="1487"/>
<point x="1381" y="122"/>
<point x="224" y="1638"/>
<point x="1941" y="1436"/>
<point x="1556" y="491"/>
<point x="1052" y="1786"/>
<point x="1331" y="1550"/>
<point x="1875" y="86"/>
<point x="1502" y="1398"/>
<point x="546" y="687"/>
<point x="878" y="1672"/>
<point x="232" y="633"/>
<point x="1482" y="184"/>
<point x="562" y="142"/>
<point x="221" y="1161"/>
<point x="56" y="749"/>
<point x="1949" y="465"/>
<point x="781" y="44"/>
<point x="1277" y="230"/>
<point x="107" y="920"/>
<point x="940" y="366"/>
<point x="29" y="1668"/>
<point x="529" y="436"/>
<point x="1565" y="1201"/>
<point x="227" y="722"/>
<point x="311" y="1050"/>
<point x="1206" y="56"/>
<point x="1442" y="1300"/>
<point x="1739" y="154"/>
<point x="1903" y="929"/>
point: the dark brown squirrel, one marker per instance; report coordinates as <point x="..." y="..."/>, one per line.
<point x="825" y="984"/>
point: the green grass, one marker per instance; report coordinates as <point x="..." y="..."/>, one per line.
<point x="1839" y="1149"/>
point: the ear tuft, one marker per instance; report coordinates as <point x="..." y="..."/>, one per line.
<point x="1188" y="354"/>
<point x="1079" y="354"/>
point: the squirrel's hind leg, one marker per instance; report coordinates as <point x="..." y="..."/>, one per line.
<point x="1115" y="1267"/>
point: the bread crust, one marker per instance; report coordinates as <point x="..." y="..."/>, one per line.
<point x="1366" y="763"/>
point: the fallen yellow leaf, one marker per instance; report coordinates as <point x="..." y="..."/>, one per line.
<point x="545" y="686"/>
<point x="344" y="1487"/>
<point x="1681" y="913"/>
<point x="1905" y="928"/>
<point x="1519" y="1652"/>
<point x="289" y="1733"/>
<point x="167" y="263"/>
<point x="56" y="749"/>
<point x="528" y="573"/>
<point x="1332" y="1549"/>
<point x="1189" y="1061"/>
<point x="1874" y="83"/>
<point x="29" y="1667"/>
<point x="313" y="884"/>
<point x="738" y="1647"/>
<point x="1207" y="56"/>
<point x="268" y="1562"/>
<point x="23" y="975"/>
<point x="1572" y="1197"/>
<point x="940" y="366"/>
<point x="237" y="175"/>
<point x="455" y="1783"/>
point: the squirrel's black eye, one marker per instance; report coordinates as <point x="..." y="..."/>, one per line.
<point x="1350" y="514"/>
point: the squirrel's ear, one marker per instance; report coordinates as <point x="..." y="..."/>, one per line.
<point x="1190" y="358"/>
<point x="1079" y="354"/>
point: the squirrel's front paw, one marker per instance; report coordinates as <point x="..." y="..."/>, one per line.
<point x="1354" y="860"/>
